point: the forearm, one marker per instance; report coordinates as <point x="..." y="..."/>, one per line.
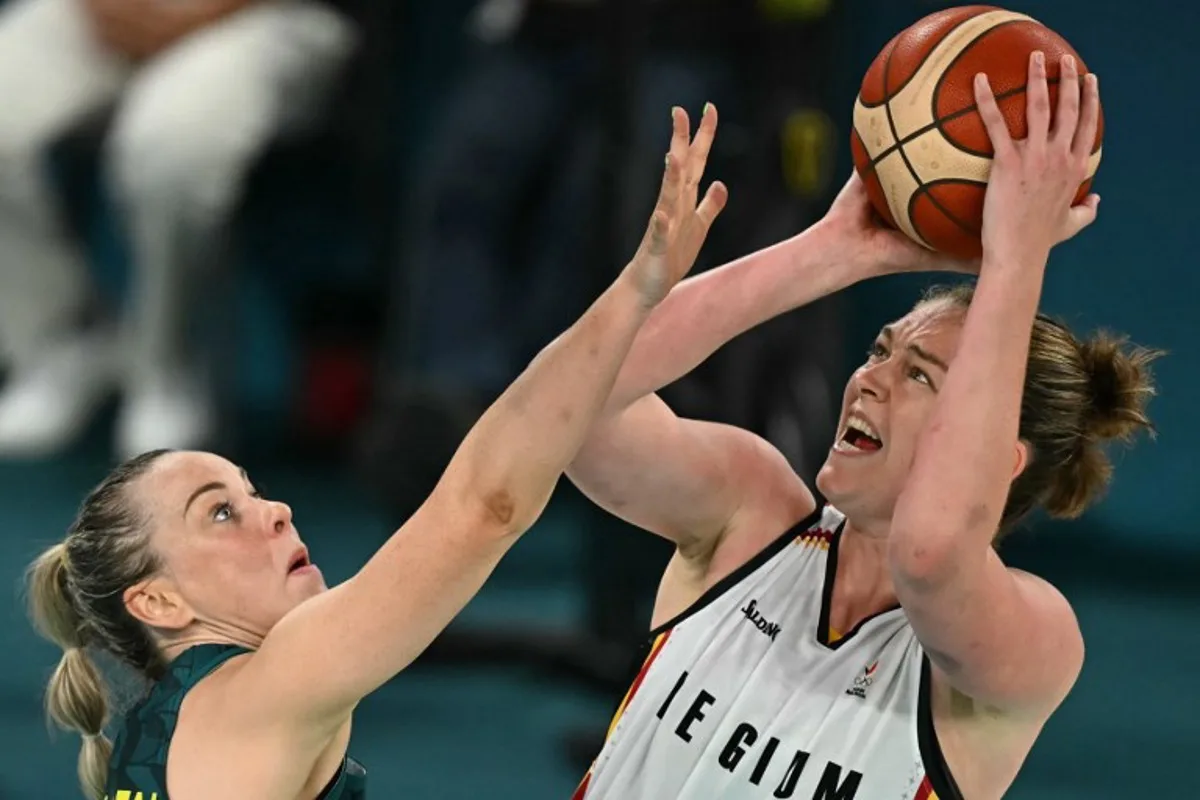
<point x="959" y="482"/>
<point x="516" y="452"/>
<point x="703" y="313"/>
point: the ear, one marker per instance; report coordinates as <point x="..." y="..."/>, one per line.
<point x="156" y="603"/>
<point x="1020" y="458"/>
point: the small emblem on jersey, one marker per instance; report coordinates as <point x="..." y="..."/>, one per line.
<point x="863" y="681"/>
<point x="754" y="615"/>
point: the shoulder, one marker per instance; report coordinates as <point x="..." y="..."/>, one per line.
<point x="1039" y="619"/>
<point x="756" y="528"/>
<point x="1047" y="602"/>
<point x="211" y="696"/>
<point x="1045" y="599"/>
<point x="218" y="723"/>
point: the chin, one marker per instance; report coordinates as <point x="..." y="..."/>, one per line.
<point x="845" y="493"/>
<point x="831" y="484"/>
<point x="311" y="588"/>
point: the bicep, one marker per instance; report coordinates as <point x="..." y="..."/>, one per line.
<point x="1000" y="636"/>
<point x="338" y="647"/>
<point x="683" y="479"/>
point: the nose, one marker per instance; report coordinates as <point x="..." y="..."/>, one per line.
<point x="871" y="380"/>
<point x="281" y="516"/>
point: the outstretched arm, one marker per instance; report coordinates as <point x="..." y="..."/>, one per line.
<point x="1002" y="637"/>
<point x="334" y="649"/>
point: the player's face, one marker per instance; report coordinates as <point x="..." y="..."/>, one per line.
<point x="886" y="405"/>
<point x="233" y="556"/>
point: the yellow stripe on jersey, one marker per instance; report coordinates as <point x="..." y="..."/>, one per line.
<point x="659" y="641"/>
<point x="815" y="537"/>
<point x="654" y="648"/>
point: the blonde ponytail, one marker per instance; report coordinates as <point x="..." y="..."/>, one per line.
<point x="76" y="697"/>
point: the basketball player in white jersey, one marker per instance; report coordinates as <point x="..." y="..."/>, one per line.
<point x="872" y="645"/>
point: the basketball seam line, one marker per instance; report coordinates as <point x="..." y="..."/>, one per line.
<point x="887" y="107"/>
<point x="959" y="57"/>
<point x="888" y="96"/>
<point x="924" y="190"/>
<point x="937" y="124"/>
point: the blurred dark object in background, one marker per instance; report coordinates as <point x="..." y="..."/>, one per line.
<point x="185" y="100"/>
<point x="312" y="244"/>
<point x="533" y="194"/>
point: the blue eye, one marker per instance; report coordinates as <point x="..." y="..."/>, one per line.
<point x="920" y="376"/>
<point x="222" y="512"/>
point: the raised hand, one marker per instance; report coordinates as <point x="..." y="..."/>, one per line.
<point x="876" y="249"/>
<point x="1028" y="207"/>
<point x="678" y="227"/>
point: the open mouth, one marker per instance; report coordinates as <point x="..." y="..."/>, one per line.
<point x="859" y="437"/>
<point x="299" y="562"/>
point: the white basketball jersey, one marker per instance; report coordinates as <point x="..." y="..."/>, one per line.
<point x="742" y="696"/>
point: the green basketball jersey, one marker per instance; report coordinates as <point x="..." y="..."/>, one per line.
<point x="138" y="767"/>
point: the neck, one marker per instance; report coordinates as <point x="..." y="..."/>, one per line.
<point x="206" y="632"/>
<point x="863" y="583"/>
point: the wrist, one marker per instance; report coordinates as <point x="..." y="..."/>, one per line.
<point x="630" y="290"/>
<point x="1015" y="260"/>
<point x="842" y="254"/>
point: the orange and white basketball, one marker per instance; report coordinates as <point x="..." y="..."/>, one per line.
<point x="918" y="141"/>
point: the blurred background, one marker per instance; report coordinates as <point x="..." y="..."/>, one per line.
<point x="326" y="233"/>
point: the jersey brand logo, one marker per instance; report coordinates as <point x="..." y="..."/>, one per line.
<point x="863" y="681"/>
<point x="752" y="613"/>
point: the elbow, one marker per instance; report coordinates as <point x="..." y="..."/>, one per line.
<point x="488" y="509"/>
<point x="493" y="496"/>
<point x="925" y="550"/>
<point x="922" y="559"/>
<point x="500" y="512"/>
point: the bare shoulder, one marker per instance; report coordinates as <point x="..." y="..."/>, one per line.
<point x="270" y="761"/>
<point x="1045" y="600"/>
<point x="985" y="746"/>
<point x="758" y="522"/>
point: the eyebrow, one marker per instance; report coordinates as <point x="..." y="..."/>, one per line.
<point x="887" y="333"/>
<point x="209" y="487"/>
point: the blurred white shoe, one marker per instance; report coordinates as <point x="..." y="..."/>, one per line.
<point x="46" y="404"/>
<point x="172" y="411"/>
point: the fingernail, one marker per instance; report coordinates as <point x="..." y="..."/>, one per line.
<point x="675" y="110"/>
<point x="667" y="161"/>
<point x="708" y="107"/>
<point x="1039" y="58"/>
<point x="1069" y="61"/>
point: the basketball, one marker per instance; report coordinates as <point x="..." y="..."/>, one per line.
<point x="919" y="144"/>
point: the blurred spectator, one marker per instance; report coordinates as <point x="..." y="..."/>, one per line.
<point x="200" y="88"/>
<point x="500" y="244"/>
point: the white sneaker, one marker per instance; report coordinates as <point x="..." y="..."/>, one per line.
<point x="169" y="411"/>
<point x="46" y="405"/>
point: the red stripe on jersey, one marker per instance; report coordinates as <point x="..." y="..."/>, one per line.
<point x="655" y="649"/>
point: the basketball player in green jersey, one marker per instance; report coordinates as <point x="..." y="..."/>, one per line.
<point x="180" y="569"/>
